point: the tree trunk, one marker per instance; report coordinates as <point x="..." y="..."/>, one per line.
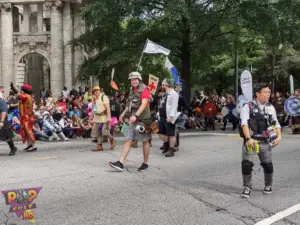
<point x="186" y="60"/>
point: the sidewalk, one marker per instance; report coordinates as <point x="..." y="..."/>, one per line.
<point x="183" y="134"/>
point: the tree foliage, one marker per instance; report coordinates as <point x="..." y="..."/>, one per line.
<point x="201" y="34"/>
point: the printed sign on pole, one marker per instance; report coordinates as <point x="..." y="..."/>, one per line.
<point x="153" y="82"/>
<point x="246" y="85"/>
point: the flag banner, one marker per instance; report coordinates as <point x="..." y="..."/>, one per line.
<point x="246" y="85"/>
<point x="292" y="84"/>
<point x="173" y="71"/>
<point x="114" y="85"/>
<point x="153" y="48"/>
<point x="153" y="82"/>
<point x="112" y="74"/>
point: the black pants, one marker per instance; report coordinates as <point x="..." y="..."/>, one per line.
<point x="234" y="122"/>
<point x="209" y="122"/>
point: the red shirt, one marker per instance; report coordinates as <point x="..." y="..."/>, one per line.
<point x="145" y="93"/>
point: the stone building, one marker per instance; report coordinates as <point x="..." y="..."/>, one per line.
<point x="34" y="46"/>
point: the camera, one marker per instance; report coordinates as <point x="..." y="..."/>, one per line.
<point x="140" y="128"/>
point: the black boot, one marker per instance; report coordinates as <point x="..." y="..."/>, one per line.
<point x="166" y="147"/>
<point x="170" y="153"/>
<point x="13" y="148"/>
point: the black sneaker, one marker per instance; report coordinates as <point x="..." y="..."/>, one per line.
<point x="246" y="193"/>
<point x="143" y="167"/>
<point x="268" y="190"/>
<point x="117" y="165"/>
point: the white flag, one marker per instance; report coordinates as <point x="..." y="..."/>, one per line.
<point x="112" y="74"/>
<point x="246" y="84"/>
<point x="292" y="84"/>
<point x="153" y="48"/>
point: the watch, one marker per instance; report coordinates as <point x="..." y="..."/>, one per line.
<point x="248" y="138"/>
<point x="136" y="116"/>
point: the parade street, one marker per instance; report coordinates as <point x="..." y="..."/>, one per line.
<point x="200" y="185"/>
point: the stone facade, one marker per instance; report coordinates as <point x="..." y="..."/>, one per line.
<point x="30" y="35"/>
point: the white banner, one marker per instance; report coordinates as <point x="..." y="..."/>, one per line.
<point x="246" y="85"/>
<point x="153" y="82"/>
<point x="292" y="84"/>
<point x="153" y="48"/>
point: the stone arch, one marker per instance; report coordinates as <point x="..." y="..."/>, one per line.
<point x="24" y="53"/>
<point x="28" y="51"/>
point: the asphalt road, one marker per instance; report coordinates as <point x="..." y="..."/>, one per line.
<point x="200" y="185"/>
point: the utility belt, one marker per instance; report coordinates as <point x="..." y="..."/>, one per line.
<point x="147" y="126"/>
<point x="268" y="136"/>
<point x="260" y="139"/>
<point x="100" y="114"/>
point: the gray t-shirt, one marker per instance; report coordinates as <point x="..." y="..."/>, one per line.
<point x="269" y="109"/>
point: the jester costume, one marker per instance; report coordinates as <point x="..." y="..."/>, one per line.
<point x="27" y="117"/>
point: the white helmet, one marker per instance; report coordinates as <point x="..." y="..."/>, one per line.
<point x="135" y="75"/>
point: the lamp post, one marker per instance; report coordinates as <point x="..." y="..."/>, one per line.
<point x="236" y="71"/>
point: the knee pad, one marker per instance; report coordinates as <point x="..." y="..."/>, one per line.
<point x="268" y="167"/>
<point x="247" y="167"/>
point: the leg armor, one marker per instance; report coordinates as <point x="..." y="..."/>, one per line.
<point x="268" y="167"/>
<point x="247" y="167"/>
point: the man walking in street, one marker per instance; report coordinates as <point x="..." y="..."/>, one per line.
<point x="261" y="132"/>
<point x="6" y="133"/>
<point x="137" y="112"/>
<point x="167" y="116"/>
<point x="102" y="117"/>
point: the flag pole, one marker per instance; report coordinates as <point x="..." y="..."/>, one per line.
<point x="137" y="69"/>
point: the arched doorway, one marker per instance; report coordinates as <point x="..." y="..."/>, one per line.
<point x="36" y="72"/>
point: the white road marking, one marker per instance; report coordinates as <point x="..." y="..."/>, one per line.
<point x="280" y="215"/>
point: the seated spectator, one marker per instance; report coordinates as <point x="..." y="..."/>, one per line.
<point x="38" y="133"/>
<point x="76" y="126"/>
<point x="74" y="111"/>
<point x="50" y="128"/>
<point x="87" y="128"/>
<point x="13" y="102"/>
<point x="65" y="124"/>
<point x="15" y="121"/>
<point x="63" y="105"/>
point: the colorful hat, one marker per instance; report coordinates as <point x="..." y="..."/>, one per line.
<point x="96" y="88"/>
<point x="27" y="87"/>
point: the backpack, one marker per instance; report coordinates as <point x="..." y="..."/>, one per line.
<point x="109" y="104"/>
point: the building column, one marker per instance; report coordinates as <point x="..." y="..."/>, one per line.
<point x="26" y="21"/>
<point x="7" y="47"/>
<point x="40" y="17"/>
<point x="78" y="53"/>
<point x="57" y="50"/>
<point x="68" y="36"/>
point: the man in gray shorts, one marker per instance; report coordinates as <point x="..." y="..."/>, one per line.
<point x="138" y="112"/>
